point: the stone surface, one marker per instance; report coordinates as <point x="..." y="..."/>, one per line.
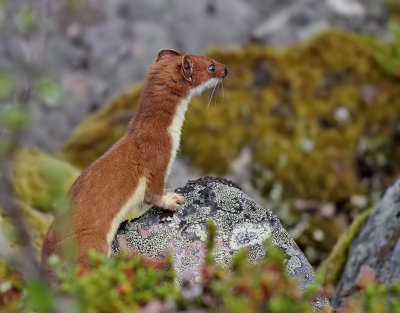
<point x="377" y="246"/>
<point x="95" y="51"/>
<point x="240" y="223"/>
<point x="286" y="22"/>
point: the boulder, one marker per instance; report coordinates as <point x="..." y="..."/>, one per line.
<point x="240" y="223"/>
<point x="377" y="245"/>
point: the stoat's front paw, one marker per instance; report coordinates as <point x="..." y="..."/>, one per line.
<point x="172" y="201"/>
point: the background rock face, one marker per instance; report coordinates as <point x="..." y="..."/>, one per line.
<point x="95" y="50"/>
<point x="377" y="246"/>
<point x="240" y="223"/>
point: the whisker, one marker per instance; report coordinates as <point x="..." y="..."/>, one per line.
<point x="223" y="91"/>
<point x="215" y="98"/>
<point x="209" y="101"/>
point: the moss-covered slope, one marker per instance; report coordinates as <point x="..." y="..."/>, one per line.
<point x="322" y="120"/>
<point x="320" y="116"/>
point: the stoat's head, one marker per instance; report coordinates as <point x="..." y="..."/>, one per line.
<point x="192" y="73"/>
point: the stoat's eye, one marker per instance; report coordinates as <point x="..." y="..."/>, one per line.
<point x="211" y="68"/>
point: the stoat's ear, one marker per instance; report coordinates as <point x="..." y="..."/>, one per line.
<point x="166" y="52"/>
<point x="187" y="68"/>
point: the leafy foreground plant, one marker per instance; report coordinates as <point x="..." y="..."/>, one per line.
<point x="133" y="283"/>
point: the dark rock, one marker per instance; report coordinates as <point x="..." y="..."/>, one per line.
<point x="377" y="246"/>
<point x="240" y="223"/>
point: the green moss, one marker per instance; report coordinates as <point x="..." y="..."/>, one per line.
<point x="35" y="222"/>
<point x="393" y="7"/>
<point x="100" y="130"/>
<point x="40" y="180"/>
<point x="319" y="236"/>
<point x="389" y="60"/>
<point x="332" y="267"/>
<point x="287" y="106"/>
<point x="287" y="109"/>
<point x="321" y="118"/>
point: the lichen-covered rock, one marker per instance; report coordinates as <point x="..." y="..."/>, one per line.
<point x="377" y="246"/>
<point x="240" y="223"/>
<point x="40" y="180"/>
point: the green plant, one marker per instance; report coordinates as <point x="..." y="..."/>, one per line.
<point x="390" y="60"/>
<point x="129" y="282"/>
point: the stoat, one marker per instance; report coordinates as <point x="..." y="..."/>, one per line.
<point x="131" y="175"/>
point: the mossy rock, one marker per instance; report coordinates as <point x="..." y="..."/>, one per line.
<point x="332" y="267"/>
<point x="35" y="222"/>
<point x="40" y="180"/>
<point x="321" y="118"/>
<point x="305" y="111"/>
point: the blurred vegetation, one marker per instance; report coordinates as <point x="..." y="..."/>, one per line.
<point x="36" y="223"/>
<point x="11" y="288"/>
<point x="390" y="60"/>
<point x="130" y="282"/>
<point x="41" y="180"/>
<point x="321" y="118"/>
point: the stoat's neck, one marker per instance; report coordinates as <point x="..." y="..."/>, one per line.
<point x="156" y="109"/>
<point x="175" y="129"/>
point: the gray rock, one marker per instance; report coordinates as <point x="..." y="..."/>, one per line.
<point x="240" y="222"/>
<point x="377" y="246"/>
<point x="96" y="51"/>
<point x="286" y="22"/>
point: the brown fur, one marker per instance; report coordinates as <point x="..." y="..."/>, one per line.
<point x="100" y="192"/>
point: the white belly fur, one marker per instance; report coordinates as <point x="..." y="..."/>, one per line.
<point x="135" y="205"/>
<point x="174" y="130"/>
<point x="176" y="126"/>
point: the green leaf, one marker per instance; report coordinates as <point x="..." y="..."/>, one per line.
<point x="26" y="20"/>
<point x="5" y="146"/>
<point x="12" y="118"/>
<point x="48" y="90"/>
<point x="2" y="13"/>
<point x="394" y="28"/>
<point x="7" y="84"/>
<point x="39" y="297"/>
<point x="75" y="4"/>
